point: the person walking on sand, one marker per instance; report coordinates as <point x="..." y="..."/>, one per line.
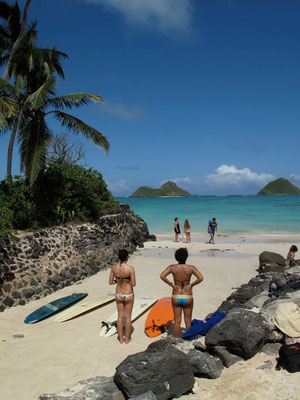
<point x="187" y="230"/>
<point x="182" y="295"/>
<point x="212" y="228"/>
<point x="290" y="258"/>
<point x="176" y="229"/>
<point x="123" y="275"/>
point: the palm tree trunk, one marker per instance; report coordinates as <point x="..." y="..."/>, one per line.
<point x="11" y="147"/>
<point x="16" y="44"/>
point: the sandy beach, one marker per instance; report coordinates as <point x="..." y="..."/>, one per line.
<point x="54" y="356"/>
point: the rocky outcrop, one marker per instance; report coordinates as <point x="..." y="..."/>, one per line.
<point x="242" y="332"/>
<point x="97" y="388"/>
<point x="36" y="264"/>
<point x="268" y="257"/>
<point x="167" y="374"/>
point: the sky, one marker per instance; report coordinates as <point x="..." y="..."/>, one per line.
<point x="203" y="93"/>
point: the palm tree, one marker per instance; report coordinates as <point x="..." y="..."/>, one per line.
<point x="34" y="134"/>
<point x="12" y="33"/>
<point x="26" y="82"/>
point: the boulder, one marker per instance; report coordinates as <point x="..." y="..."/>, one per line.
<point x="205" y="365"/>
<point x="167" y="374"/>
<point x="242" y="332"/>
<point x="145" y="396"/>
<point x="226" y="357"/>
<point x="268" y="257"/>
<point x="97" y="388"/>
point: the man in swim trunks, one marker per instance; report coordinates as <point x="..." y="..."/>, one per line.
<point x="182" y="295"/>
<point x="212" y="228"/>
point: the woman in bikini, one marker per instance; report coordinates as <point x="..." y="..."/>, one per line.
<point x="187" y="230"/>
<point x="290" y="258"/>
<point x="124" y="276"/>
<point x="182" y="295"/>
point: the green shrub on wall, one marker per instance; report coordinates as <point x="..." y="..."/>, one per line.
<point x="65" y="192"/>
<point x="62" y="193"/>
<point x="17" y="198"/>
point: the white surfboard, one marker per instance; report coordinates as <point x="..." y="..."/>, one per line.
<point x="83" y="307"/>
<point x="109" y="327"/>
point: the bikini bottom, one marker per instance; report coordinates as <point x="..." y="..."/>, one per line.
<point x="123" y="297"/>
<point x="182" y="298"/>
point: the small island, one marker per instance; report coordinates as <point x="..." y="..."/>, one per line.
<point x="279" y="186"/>
<point x="168" y="189"/>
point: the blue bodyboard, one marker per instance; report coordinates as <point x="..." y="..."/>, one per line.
<point x="53" y="307"/>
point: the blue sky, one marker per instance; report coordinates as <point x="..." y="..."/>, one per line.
<point x="204" y="93"/>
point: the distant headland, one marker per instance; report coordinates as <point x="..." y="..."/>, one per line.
<point x="168" y="189"/>
<point x="279" y="186"/>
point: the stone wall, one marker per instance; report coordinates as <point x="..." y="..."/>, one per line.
<point x="36" y="264"/>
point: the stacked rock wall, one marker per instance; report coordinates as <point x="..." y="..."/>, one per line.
<point x="36" y="264"/>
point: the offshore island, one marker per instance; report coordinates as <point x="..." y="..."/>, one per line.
<point x="168" y="189"/>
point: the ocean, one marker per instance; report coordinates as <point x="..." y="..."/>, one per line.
<point x="235" y="214"/>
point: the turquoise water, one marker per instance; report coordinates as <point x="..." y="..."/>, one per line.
<point x="234" y="214"/>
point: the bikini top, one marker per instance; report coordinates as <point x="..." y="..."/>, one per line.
<point x="122" y="277"/>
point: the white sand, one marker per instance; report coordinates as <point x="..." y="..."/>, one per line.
<point x="53" y="356"/>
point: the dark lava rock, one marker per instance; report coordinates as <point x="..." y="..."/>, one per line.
<point x="242" y="332"/>
<point x="205" y="365"/>
<point x="265" y="268"/>
<point x="97" y="388"/>
<point x="16" y="295"/>
<point x="55" y="280"/>
<point x="151" y="238"/>
<point x="8" y="302"/>
<point x="145" y="396"/>
<point x="165" y="344"/>
<point x="268" y="257"/>
<point x="27" y="293"/>
<point x="167" y="374"/>
<point x="33" y="282"/>
<point x="271" y="349"/>
<point x="9" y="276"/>
<point x="226" y="357"/>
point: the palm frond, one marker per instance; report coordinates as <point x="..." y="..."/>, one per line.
<point x="41" y="96"/>
<point x="8" y="107"/>
<point x="77" y="126"/>
<point x="35" y="139"/>
<point x="74" y="100"/>
<point x="6" y="88"/>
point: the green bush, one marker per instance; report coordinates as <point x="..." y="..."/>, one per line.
<point x="16" y="197"/>
<point x="6" y="218"/>
<point x="65" y="192"/>
<point x="62" y="193"/>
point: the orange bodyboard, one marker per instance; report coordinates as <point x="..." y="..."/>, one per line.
<point x="159" y="318"/>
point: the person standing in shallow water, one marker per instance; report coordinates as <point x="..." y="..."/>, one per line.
<point x="182" y="294"/>
<point x="212" y="228"/>
<point x="123" y="275"/>
<point x="176" y="229"/>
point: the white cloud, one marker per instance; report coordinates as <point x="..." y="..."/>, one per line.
<point x="119" y="187"/>
<point x="121" y="111"/>
<point x="296" y="177"/>
<point x="167" y="16"/>
<point x="230" y="175"/>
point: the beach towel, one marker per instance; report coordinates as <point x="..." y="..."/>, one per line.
<point x="199" y="327"/>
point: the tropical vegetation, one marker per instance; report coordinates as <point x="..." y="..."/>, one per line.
<point x="28" y="98"/>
